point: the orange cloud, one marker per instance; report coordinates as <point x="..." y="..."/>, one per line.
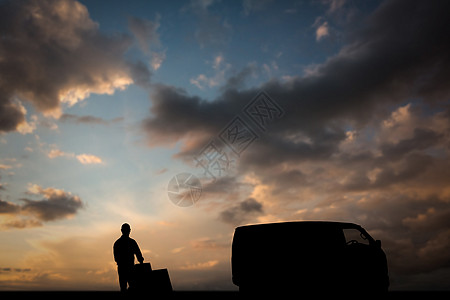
<point x="85" y="159"/>
<point x="200" y="265"/>
<point x="88" y="159"/>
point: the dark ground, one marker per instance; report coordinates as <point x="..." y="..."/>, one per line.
<point x="85" y="295"/>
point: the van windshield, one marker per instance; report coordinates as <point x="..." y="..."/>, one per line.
<point x="353" y="235"/>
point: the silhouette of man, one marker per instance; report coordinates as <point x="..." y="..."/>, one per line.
<point x="124" y="250"/>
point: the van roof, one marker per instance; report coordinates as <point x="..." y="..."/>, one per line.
<point x="299" y="224"/>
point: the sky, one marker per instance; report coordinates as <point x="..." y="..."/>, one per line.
<point x="189" y="118"/>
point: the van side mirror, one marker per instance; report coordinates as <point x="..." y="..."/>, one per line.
<point x="378" y="243"/>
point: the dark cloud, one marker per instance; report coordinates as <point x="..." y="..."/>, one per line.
<point x="10" y="113"/>
<point x="55" y="205"/>
<point x="397" y="49"/>
<point x="177" y="115"/>
<point x="140" y="73"/>
<point x="53" y="53"/>
<point x="88" y="119"/>
<point x="8" y="270"/>
<point x="422" y="139"/>
<point x="237" y="81"/>
<point x="7" y="207"/>
<point x="244" y="211"/>
<point x="286" y="181"/>
<point x="223" y="185"/>
<point x="410" y="167"/>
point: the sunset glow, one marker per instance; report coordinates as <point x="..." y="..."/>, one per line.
<point x="275" y="110"/>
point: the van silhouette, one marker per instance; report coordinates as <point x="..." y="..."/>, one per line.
<point x="308" y="256"/>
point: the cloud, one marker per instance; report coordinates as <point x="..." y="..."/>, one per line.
<point x="208" y="244"/>
<point x="3" y="270"/>
<point x="220" y="68"/>
<point x="11" y="116"/>
<point x="146" y="34"/>
<point x="88" y="119"/>
<point x="171" y="106"/>
<point x="85" y="159"/>
<point x="53" y="153"/>
<point x="322" y="30"/>
<point x="422" y="139"/>
<point x="157" y="58"/>
<point x="237" y="81"/>
<point x="26" y="127"/>
<point x="54" y="55"/>
<point x="8" y="207"/>
<point x="223" y="185"/>
<point x="9" y="163"/>
<point x="55" y="205"/>
<point x="88" y="159"/>
<point x="242" y="212"/>
<point x="200" y="266"/>
<point x="334" y="5"/>
<point x="199" y="81"/>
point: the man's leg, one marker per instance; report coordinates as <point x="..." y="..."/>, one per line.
<point x="131" y="278"/>
<point x="123" y="277"/>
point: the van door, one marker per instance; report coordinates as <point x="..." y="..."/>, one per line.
<point x="360" y="260"/>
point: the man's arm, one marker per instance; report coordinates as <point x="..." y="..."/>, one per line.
<point x="115" y="253"/>
<point x="138" y="253"/>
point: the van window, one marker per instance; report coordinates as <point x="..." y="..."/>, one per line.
<point x="352" y="234"/>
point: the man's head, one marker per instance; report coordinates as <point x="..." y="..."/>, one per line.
<point x="126" y="229"/>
